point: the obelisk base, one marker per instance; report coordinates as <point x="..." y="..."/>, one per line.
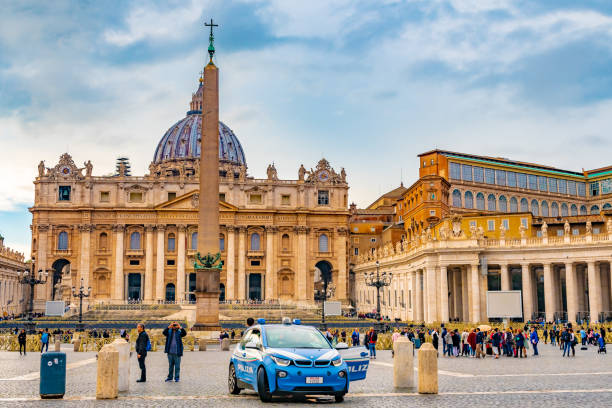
<point x="207" y="312"/>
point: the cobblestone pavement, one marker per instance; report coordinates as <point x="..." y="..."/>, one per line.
<point x="546" y="380"/>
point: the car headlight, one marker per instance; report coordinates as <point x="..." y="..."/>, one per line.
<point x="283" y="362"/>
<point x="337" y="362"/>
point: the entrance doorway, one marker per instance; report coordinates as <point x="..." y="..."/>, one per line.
<point x="60" y="267"/>
<point x="170" y="292"/>
<point x="255" y="286"/>
<point x="322" y="280"/>
<point x="134" y="283"/>
<point x="221" y="292"/>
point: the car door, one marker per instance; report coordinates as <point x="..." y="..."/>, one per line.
<point x="253" y="355"/>
<point x="357" y="362"/>
<point x="242" y="368"/>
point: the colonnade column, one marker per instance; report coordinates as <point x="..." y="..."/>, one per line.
<point x="594" y="282"/>
<point x="180" y="265"/>
<point x="118" y="284"/>
<point x="571" y="292"/>
<point x="505" y="277"/>
<point x="148" y="278"/>
<point x="475" y="279"/>
<point x="270" y="255"/>
<point x="549" y="293"/>
<point x="465" y="299"/>
<point x="419" y="296"/>
<point x="412" y="294"/>
<point x="527" y="292"/>
<point x="457" y="296"/>
<point x="302" y="267"/>
<point x="241" y="263"/>
<point x="425" y="295"/>
<point x="159" y="270"/>
<point x="443" y="294"/>
<point x="230" y="281"/>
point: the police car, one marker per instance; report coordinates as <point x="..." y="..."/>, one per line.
<point x="291" y="359"/>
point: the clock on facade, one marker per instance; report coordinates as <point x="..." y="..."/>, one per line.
<point x="65" y="170"/>
<point x="324" y="175"/>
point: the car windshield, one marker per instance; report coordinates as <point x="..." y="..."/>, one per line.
<point x="295" y="337"/>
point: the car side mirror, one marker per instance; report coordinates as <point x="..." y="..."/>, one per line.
<point x="342" y="346"/>
<point x="251" y="345"/>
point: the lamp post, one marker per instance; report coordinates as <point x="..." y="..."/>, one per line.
<point x="32" y="279"/>
<point x="81" y="294"/>
<point x="378" y="281"/>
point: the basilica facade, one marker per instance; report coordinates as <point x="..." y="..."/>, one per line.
<point x="134" y="238"/>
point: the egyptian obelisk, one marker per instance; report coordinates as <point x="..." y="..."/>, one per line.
<point x="207" y="273"/>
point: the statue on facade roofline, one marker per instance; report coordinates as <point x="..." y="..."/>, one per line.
<point x="88" y="168"/>
<point x="41" y="169"/>
<point x="301" y="172"/>
<point x="589" y="228"/>
<point x="566" y="228"/>
<point x="544" y="229"/>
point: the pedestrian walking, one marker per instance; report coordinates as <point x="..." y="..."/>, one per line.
<point x="533" y="338"/>
<point x="372" y="338"/>
<point x="496" y="339"/>
<point x="142" y="346"/>
<point x="355" y="337"/>
<point x="565" y="338"/>
<point x="545" y="334"/>
<point x="44" y="341"/>
<point x="21" y="338"/>
<point x="174" y="349"/>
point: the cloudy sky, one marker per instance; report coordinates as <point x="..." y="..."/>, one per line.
<point x="367" y="84"/>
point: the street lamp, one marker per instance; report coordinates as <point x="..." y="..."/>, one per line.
<point x="32" y="279"/>
<point x="378" y="281"/>
<point x="81" y="294"/>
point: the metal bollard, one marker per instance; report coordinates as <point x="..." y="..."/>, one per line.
<point x="428" y="369"/>
<point x="108" y="373"/>
<point x="403" y="363"/>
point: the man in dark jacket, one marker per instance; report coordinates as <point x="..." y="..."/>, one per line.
<point x="174" y="349"/>
<point x="141" y="351"/>
<point x="22" y="341"/>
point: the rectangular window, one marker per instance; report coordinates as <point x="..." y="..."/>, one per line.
<point x="134" y="262"/>
<point x="552" y="185"/>
<point x="542" y="183"/>
<point x="323" y="197"/>
<point x="372" y="239"/>
<point x="606" y="186"/>
<point x="455" y="171"/>
<point x="533" y="182"/>
<point x="524" y="222"/>
<point x="571" y="187"/>
<point x="170" y="262"/>
<point x="285" y="199"/>
<point x="356" y="252"/>
<point x="222" y="197"/>
<point x="171" y="195"/>
<point x="506" y="224"/>
<point x="559" y="232"/>
<point x="594" y="189"/>
<point x="491" y="225"/>
<point x="466" y="172"/>
<point x="255" y="199"/>
<point x="511" y="176"/>
<point x="64" y="193"/>
<point x="478" y="175"/>
<point x="171" y="243"/>
<point x="562" y="184"/>
<point x="255" y="263"/>
<point x="104" y="196"/>
<point x="522" y="180"/>
<point x="500" y="177"/>
<point x="581" y="189"/>
<point x="575" y="231"/>
<point x="135" y="196"/>
<point x="489" y="176"/>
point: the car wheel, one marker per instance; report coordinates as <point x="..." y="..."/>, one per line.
<point x="262" y="386"/>
<point x="339" y="397"/>
<point x="232" y="381"/>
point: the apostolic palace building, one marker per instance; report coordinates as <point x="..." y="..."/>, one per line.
<point x="133" y="238"/>
<point x="473" y="224"/>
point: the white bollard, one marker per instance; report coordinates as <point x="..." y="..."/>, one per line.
<point x="108" y="373"/>
<point x="428" y="369"/>
<point x="403" y="363"/>
<point x="123" y="347"/>
<point x="225" y="345"/>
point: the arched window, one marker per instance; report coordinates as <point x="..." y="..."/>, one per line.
<point x="535" y="208"/>
<point x="583" y="210"/>
<point x="170" y="292"/>
<point x="135" y="240"/>
<point x="171" y="242"/>
<point x="456" y="198"/>
<point x="544" y="209"/>
<point x="480" y="201"/>
<point x="103" y="241"/>
<point x="323" y="243"/>
<point x="574" y="210"/>
<point x="221" y="242"/>
<point x="491" y="204"/>
<point x="524" y="205"/>
<point x="62" y="241"/>
<point x="564" y="210"/>
<point x="607" y="206"/>
<point x="194" y="240"/>
<point x="469" y="199"/>
<point x="285" y="242"/>
<point x="255" y="242"/>
<point x="595" y="210"/>
<point x="554" y="210"/>
<point x="503" y="204"/>
<point x="513" y="205"/>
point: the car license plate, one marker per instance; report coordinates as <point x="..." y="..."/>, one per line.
<point x="314" y="380"/>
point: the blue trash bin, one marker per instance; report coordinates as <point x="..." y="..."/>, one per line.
<point x="52" y="375"/>
<point x="417" y="343"/>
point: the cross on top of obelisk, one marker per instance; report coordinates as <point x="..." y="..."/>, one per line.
<point x="211" y="38"/>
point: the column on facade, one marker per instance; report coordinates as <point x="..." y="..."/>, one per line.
<point x="475" y="281"/>
<point x="159" y="270"/>
<point x="451" y="290"/>
<point x="505" y="277"/>
<point x="425" y="299"/>
<point x="118" y="284"/>
<point x="549" y="293"/>
<point x="241" y="263"/>
<point x="270" y="255"/>
<point x="342" y="283"/>
<point x="85" y="255"/>
<point x="457" y="306"/>
<point x="412" y="294"/>
<point x="571" y="292"/>
<point x="148" y="278"/>
<point x="443" y="294"/>
<point x="419" y="295"/>
<point x="230" y="280"/>
<point x="527" y="291"/>
<point x="465" y="298"/>
<point x="302" y="269"/>
<point x="41" y="260"/>
<point x="180" y="264"/>
<point x="594" y="282"/>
